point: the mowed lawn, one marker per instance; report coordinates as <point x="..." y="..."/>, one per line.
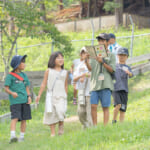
<point x="133" y="134"/>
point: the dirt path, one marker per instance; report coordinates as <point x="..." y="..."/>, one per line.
<point x="75" y="118"/>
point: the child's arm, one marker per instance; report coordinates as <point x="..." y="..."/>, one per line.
<point x="29" y="97"/>
<point x="129" y="73"/>
<point x="108" y="67"/>
<point x="88" y="64"/>
<point x="78" y="77"/>
<point x="66" y="84"/>
<point x="43" y="85"/>
<point x="71" y="70"/>
<point x="7" y="90"/>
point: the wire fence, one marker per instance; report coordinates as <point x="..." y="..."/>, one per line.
<point x="38" y="54"/>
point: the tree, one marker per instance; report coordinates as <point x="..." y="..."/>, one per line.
<point x="119" y="13"/>
<point x="61" y="5"/>
<point x="26" y="17"/>
<point x="115" y="6"/>
<point x="92" y="8"/>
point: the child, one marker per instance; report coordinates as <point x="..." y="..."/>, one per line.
<point x="113" y="45"/>
<point x="19" y="96"/>
<point x="101" y="83"/>
<point x="120" y="93"/>
<point x="82" y="79"/>
<point x="74" y="67"/>
<point x="55" y="78"/>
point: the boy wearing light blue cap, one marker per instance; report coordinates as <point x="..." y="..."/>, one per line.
<point x="17" y="86"/>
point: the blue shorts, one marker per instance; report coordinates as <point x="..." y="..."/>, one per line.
<point x="103" y="95"/>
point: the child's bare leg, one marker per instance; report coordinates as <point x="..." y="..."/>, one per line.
<point x="61" y="128"/>
<point x="23" y="126"/>
<point x="13" y="129"/>
<point x="52" y="127"/>
<point x="74" y="94"/>
<point x="13" y="124"/>
<point x="74" y="91"/>
<point x="13" y="137"/>
<point x="106" y="115"/>
<point x="22" y="130"/>
<point x="116" y="110"/>
<point x="94" y="113"/>
<point x="122" y="116"/>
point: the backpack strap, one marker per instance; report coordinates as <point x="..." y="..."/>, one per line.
<point x="17" y="76"/>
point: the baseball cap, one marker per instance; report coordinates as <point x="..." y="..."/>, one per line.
<point x="111" y="35"/>
<point x="83" y="49"/>
<point x="104" y="36"/>
<point x="16" y="60"/>
<point x="123" y="50"/>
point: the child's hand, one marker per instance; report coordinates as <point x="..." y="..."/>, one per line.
<point x="88" y="75"/>
<point x="14" y="94"/>
<point x="29" y="100"/>
<point x="128" y="72"/>
<point x="99" y="59"/>
<point x="37" y="99"/>
<point x="82" y="79"/>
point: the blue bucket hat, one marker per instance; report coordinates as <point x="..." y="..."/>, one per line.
<point x="123" y="50"/>
<point x="16" y="60"/>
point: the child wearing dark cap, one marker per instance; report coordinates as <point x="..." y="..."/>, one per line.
<point x="113" y="45"/>
<point x="120" y="93"/>
<point x="17" y="86"/>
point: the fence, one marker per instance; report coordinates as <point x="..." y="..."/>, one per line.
<point x="38" y="54"/>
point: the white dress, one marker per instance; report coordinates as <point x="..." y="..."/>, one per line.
<point x="59" y="99"/>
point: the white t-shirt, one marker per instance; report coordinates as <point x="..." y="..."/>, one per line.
<point x="114" y="48"/>
<point x="80" y="69"/>
<point x="76" y="62"/>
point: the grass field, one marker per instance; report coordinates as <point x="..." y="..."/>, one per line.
<point x="133" y="134"/>
<point x="38" y="56"/>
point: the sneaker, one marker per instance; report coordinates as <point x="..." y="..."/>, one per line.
<point x="114" y="121"/>
<point x="13" y="140"/>
<point x="20" y="139"/>
<point x="74" y="101"/>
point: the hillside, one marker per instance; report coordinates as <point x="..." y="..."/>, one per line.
<point x="133" y="134"/>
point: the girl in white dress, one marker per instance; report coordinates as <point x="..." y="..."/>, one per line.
<point x="55" y="78"/>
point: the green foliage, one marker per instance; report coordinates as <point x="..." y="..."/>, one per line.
<point x="110" y="6"/>
<point x="67" y="3"/>
<point x="26" y="18"/>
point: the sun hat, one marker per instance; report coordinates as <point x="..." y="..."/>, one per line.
<point x="16" y="60"/>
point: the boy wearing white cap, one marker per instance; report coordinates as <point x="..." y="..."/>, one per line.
<point x="82" y="79"/>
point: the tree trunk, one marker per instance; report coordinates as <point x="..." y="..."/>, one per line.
<point x="43" y="9"/>
<point x="11" y="26"/>
<point x="84" y="9"/>
<point x="92" y="8"/>
<point x="119" y="13"/>
<point x="61" y="5"/>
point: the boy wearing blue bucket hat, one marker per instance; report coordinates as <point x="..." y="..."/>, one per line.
<point x="120" y="93"/>
<point x="17" y="86"/>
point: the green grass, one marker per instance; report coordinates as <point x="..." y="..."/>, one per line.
<point x="38" y="56"/>
<point x="133" y="134"/>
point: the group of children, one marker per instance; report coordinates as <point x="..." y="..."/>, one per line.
<point x="94" y="81"/>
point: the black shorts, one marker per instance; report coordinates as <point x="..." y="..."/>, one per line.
<point x="120" y="97"/>
<point x="20" y="111"/>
